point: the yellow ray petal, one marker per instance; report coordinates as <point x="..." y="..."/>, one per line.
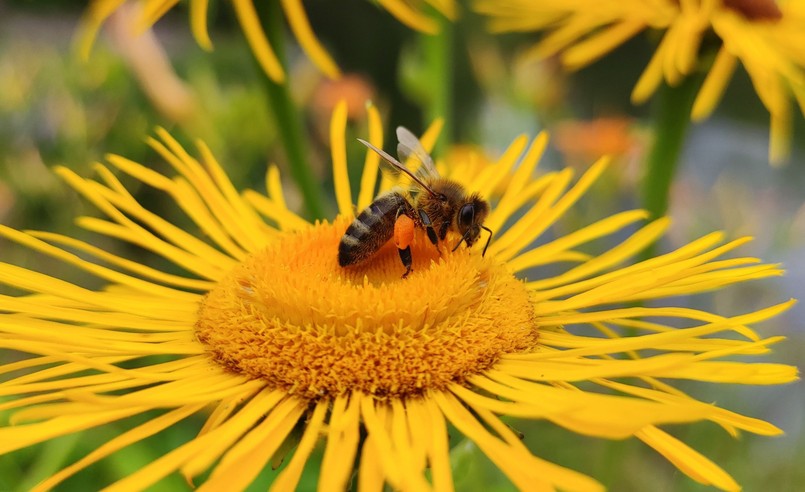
<point x="300" y="26"/>
<point x="198" y="23"/>
<point x="286" y="220"/>
<point x="557" y="210"/>
<point x="188" y="199"/>
<point x="250" y="23"/>
<point x="515" y="462"/>
<point x="488" y="179"/>
<point x="338" y="150"/>
<point x="545" y="253"/>
<point x="38" y="308"/>
<point x="133" y="266"/>
<point x="370" y="473"/>
<point x="139" y="433"/>
<point x="714" y="84"/>
<point x="438" y="448"/>
<point x="410" y="17"/>
<point x="687" y="460"/>
<point x="376" y="429"/>
<point x="152" y="11"/>
<point x="533" y="217"/>
<point x="288" y="479"/>
<point x="215" y="188"/>
<point x="94" y="17"/>
<point x="99" y="271"/>
<point x="653" y="272"/>
<point x="600" y="415"/>
<point x="230" y="430"/>
<point x="598" y="45"/>
<point x="248" y="457"/>
<point x="521" y="177"/>
<point x="652" y="75"/>
<point x="372" y="161"/>
<point x="718" y="415"/>
<point x="137" y="234"/>
<point x="246" y="226"/>
<point x="37" y="282"/>
<point x="18" y="437"/>
<point x="342" y="444"/>
<point x="559" y="476"/>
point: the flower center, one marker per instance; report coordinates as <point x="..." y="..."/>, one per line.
<point x="290" y="315"/>
<point x="756" y="9"/>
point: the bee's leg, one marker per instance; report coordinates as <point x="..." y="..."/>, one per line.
<point x="405" y="256"/>
<point x="443" y="230"/>
<point x="403" y="236"/>
<point x="429" y="229"/>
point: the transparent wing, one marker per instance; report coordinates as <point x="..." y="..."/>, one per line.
<point x="410" y="148"/>
<point x="395" y="167"/>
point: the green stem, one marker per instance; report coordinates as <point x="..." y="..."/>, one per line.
<point x="287" y="116"/>
<point x="671" y="122"/>
<point x="439" y="62"/>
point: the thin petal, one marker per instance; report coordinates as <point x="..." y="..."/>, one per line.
<point x="714" y="85"/>
<point x="250" y="23"/>
<point x="594" y="47"/>
<point x="409" y="16"/>
<point x="198" y="23"/>
<point x="690" y="462"/>
<point x="338" y="150"/>
<point x="343" y="436"/>
<point x="139" y="433"/>
<point x="372" y="161"/>
<point x="300" y="26"/>
<point x="288" y="479"/>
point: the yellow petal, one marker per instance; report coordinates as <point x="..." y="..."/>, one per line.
<point x="250" y="23"/>
<point x="300" y="26"/>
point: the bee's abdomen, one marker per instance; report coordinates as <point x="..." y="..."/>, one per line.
<point x="371" y="229"/>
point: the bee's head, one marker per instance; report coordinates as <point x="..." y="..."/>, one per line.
<point x="470" y="220"/>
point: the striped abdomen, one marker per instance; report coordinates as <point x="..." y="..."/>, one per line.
<point x="372" y="228"/>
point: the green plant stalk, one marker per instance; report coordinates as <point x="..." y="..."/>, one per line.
<point x="287" y="116"/>
<point x="671" y="122"/>
<point x="438" y="53"/>
<point x="671" y="119"/>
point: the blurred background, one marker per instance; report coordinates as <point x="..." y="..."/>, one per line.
<point x="58" y="110"/>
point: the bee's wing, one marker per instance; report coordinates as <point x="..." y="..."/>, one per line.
<point x="409" y="147"/>
<point x="395" y="167"/>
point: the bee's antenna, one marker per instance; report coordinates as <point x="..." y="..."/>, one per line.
<point x="488" y="240"/>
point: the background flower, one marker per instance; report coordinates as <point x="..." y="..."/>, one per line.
<point x="767" y="37"/>
<point x="247" y="14"/>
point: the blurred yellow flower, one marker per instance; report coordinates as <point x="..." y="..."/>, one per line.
<point x="265" y="332"/>
<point x="767" y="37"/>
<point x="408" y="12"/>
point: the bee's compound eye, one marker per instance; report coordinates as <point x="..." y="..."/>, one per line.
<point x="466" y="216"/>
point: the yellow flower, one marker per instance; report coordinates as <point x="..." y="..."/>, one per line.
<point x="264" y="332"/>
<point x="409" y="13"/>
<point x="767" y="37"/>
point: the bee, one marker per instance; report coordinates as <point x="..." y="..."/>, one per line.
<point x="438" y="206"/>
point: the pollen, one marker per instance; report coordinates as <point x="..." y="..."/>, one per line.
<point x="291" y="316"/>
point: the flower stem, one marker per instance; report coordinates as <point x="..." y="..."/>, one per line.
<point x="287" y="116"/>
<point x="671" y="121"/>
<point x="439" y="58"/>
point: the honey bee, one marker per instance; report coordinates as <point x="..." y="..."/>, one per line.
<point x="438" y="206"/>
